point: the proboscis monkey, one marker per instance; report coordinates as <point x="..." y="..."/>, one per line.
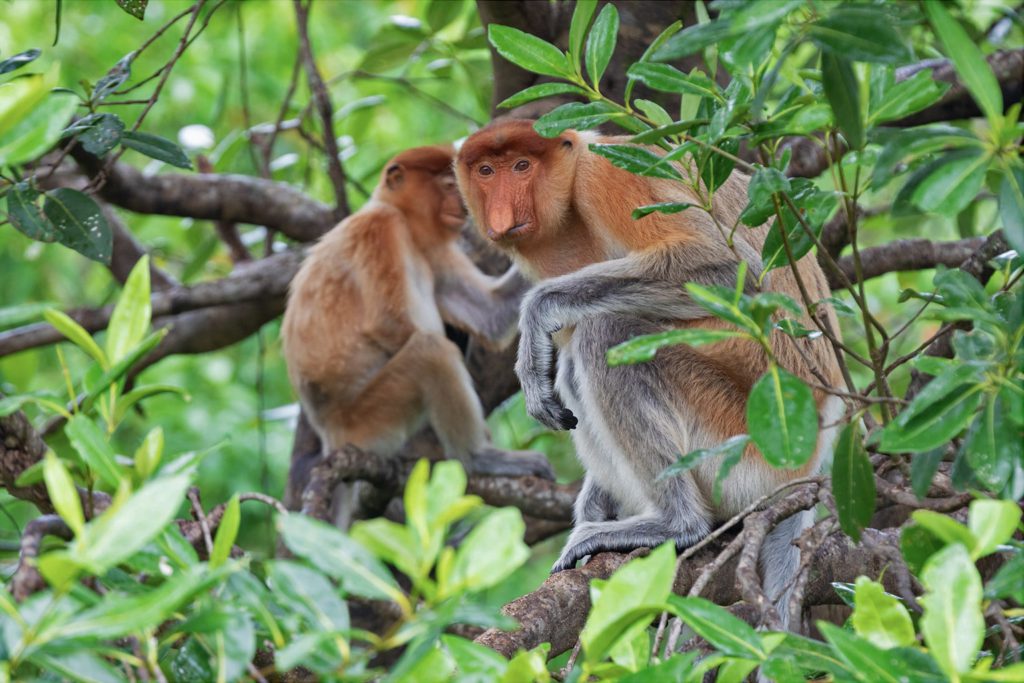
<point x="364" y="327"/>
<point x="564" y="214"/>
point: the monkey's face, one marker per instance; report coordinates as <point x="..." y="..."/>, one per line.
<point x="451" y="212"/>
<point x="505" y="184"/>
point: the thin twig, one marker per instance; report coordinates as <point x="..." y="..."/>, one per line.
<point x="200" y="515"/>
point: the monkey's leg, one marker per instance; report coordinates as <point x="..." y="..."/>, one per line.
<point x="630" y="430"/>
<point x="428" y="377"/>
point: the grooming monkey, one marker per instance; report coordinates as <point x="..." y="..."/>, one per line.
<point x="363" y="331"/>
<point x="564" y="214"/>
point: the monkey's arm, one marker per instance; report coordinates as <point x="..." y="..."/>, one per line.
<point x="648" y="284"/>
<point x="484" y="306"/>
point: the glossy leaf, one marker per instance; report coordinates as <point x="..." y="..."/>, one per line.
<point x="662" y="207"/>
<point x="113" y="79"/>
<point x="492" y="550"/>
<point x="853" y="482"/>
<point x="880" y="617"/>
<point x="843" y="94"/>
<point x="860" y="33"/>
<point x="952" y="183"/>
<point x="120" y="532"/>
<point x="637" y="160"/>
<point x="923" y="467"/>
<point x="601" y="42"/>
<point x="968" y="59"/>
<point x="952" y="623"/>
<point x="121" y="367"/>
<point x="63" y="493"/>
<point x="582" y="13"/>
<point x="92" y="444"/>
<point x="874" y="665"/>
<point x="227" y="532"/>
<point x="575" y="115"/>
<point x="667" y="78"/>
<point x="529" y="52"/>
<point x="644" y="348"/>
<point x="76" y="334"/>
<point x="26" y="215"/>
<point x="131" y="316"/>
<point x="694" y="39"/>
<point x="335" y="554"/>
<point x="79" y="223"/>
<point x="729" y="634"/>
<point x="441" y="13"/>
<point x="19" y="60"/>
<point x="937" y="414"/>
<point x="992" y="522"/>
<point x="1011" y="207"/>
<point x="538" y="92"/>
<point x="626" y="601"/>
<point x="728" y="448"/>
<point x="907" y="97"/>
<point x="136" y="8"/>
<point x="97" y="133"/>
<point x="149" y="453"/>
<point x="994" y="443"/>
<point x="156" y="147"/>
<point x="783" y="419"/>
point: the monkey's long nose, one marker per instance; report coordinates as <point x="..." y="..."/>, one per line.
<point x="500" y="220"/>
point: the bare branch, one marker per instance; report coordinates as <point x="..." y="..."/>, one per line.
<point x="27" y="579"/>
<point x="913" y="254"/>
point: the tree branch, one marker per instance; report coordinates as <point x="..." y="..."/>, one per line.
<point x="914" y="254"/>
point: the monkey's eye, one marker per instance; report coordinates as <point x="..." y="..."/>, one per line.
<point x="486" y="170"/>
<point x="521" y="165"/>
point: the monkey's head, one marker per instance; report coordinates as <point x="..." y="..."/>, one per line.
<point x="517" y="184"/>
<point x="421" y="183"/>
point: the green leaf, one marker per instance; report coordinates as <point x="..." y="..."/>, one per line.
<point x="36" y="133"/>
<point x="654" y="111"/>
<point x="945" y="528"/>
<point x="113" y="79"/>
<point x="860" y="33"/>
<point x="308" y="594"/>
<point x="20" y="96"/>
<point x="730" y="449"/>
<point x="874" y="665"/>
<point x="1011" y="207"/>
<point x="728" y="634"/>
<point x="123" y="530"/>
<point x="537" y="92"/>
<point x="76" y="334"/>
<point x="731" y="458"/>
<point x="952" y="183"/>
<point x="81" y="666"/>
<point x="472" y="659"/>
<point x="227" y="532"/>
<point x="79" y="223"/>
<point x="670" y="79"/>
<point x="26" y="215"/>
<point x="136" y="8"/>
<point x="782" y="418"/>
<point x="529" y="52"/>
<point x="92" y="444"/>
<point x="638" y="160"/>
<point x="129" y="399"/>
<point x="119" y="615"/>
<point x="843" y="94"/>
<point x="626" y="601"/>
<point x="574" y="115"/>
<point x="492" y="550"/>
<point x="149" y="453"/>
<point x="1009" y="580"/>
<point x="694" y="39"/>
<point x="338" y="556"/>
<point x="918" y="544"/>
<point x="806" y="656"/>
<point x="937" y="414"/>
<point x="156" y="147"/>
<point x="97" y="133"/>
<point x="642" y="349"/>
<point x="994" y="443"/>
<point x="441" y="13"/>
<point x="63" y="493"/>
<point x="581" y="16"/>
<point x="968" y="59"/>
<point x="661" y="207"/>
<point x="923" y="467"/>
<point x="992" y="522"/>
<point x="853" y="482"/>
<point x="121" y="367"/>
<point x="601" y="42"/>
<point x="131" y="316"/>
<point x="815" y="207"/>
<point x="19" y="60"/>
<point x="952" y="623"/>
<point x="880" y="617"/>
<point x="907" y="97"/>
<point x="394" y="543"/>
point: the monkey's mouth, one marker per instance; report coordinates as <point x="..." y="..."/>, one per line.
<point x="454" y="220"/>
<point x="513" y="234"/>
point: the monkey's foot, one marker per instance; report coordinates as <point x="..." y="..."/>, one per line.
<point x="494" y="462"/>
<point x="619" y="536"/>
<point x="546" y="408"/>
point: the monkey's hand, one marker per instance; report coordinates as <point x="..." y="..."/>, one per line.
<point x="533" y="367"/>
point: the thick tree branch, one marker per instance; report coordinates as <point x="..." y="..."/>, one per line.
<point x="263" y="283"/>
<point x="915" y="254"/>
<point x="216" y="197"/>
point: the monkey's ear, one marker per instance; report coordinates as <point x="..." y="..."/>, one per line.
<point x="566" y="143"/>
<point x="394" y="176"/>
